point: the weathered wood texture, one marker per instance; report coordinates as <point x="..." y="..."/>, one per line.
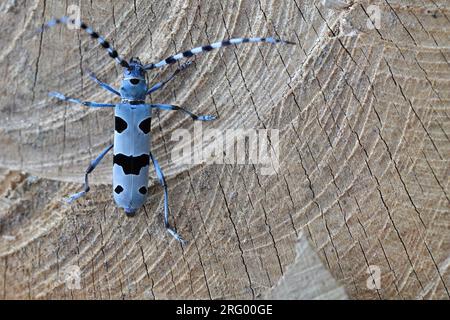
<point x="364" y="120"/>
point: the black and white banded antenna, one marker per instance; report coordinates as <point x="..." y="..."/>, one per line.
<point x="94" y="35"/>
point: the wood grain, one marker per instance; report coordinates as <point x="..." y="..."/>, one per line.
<point x="364" y="124"/>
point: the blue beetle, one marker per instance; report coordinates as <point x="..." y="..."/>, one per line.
<point x="131" y="147"/>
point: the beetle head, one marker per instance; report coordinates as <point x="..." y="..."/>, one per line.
<point x="134" y="85"/>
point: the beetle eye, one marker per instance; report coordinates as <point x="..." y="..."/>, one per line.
<point x="134" y="81"/>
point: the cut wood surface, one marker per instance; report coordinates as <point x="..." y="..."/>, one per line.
<point x="363" y="115"/>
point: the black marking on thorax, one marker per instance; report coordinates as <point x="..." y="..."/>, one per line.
<point x="130" y="164"/>
<point x="133" y="102"/>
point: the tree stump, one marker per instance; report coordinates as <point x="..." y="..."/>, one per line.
<point x="360" y="191"/>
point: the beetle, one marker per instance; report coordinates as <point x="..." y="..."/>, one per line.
<point x="131" y="147"/>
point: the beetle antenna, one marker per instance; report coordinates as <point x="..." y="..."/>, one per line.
<point x="94" y="35"/>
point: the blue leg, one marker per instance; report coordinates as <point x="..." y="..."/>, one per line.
<point x="60" y="96"/>
<point x="162" y="181"/>
<point x="90" y="168"/>
<point x="159" y="85"/>
<point x="177" y="108"/>
<point x="103" y="85"/>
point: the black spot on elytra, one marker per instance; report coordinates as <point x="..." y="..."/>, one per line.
<point x="143" y="190"/>
<point x="145" y="125"/>
<point x="134" y="81"/>
<point x="118" y="189"/>
<point x="207" y="48"/>
<point x="120" y="124"/>
<point x="130" y="164"/>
